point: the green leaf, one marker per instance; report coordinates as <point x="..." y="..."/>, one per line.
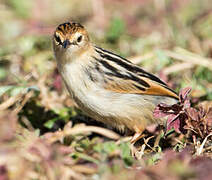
<point x="116" y="29"/>
<point x="17" y="90"/>
<point x="3" y="73"/>
<point x="14" y="90"/>
<point x="37" y="132"/>
<point x="34" y="88"/>
<point x="85" y="157"/>
<point x="109" y="147"/>
<point x="21" y="7"/>
<point x="125" y="154"/>
<point x="154" y="159"/>
<point x="164" y="60"/>
<point x="98" y="147"/>
<point x="4" y="89"/>
<point x="50" y="123"/>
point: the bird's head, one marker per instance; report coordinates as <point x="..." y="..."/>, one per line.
<point x="70" y="39"/>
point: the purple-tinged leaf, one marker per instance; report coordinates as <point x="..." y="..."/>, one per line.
<point x="176" y="113"/>
<point x="3" y="173"/>
<point x="193" y="113"/>
<point x="163" y="110"/>
<point x="209" y="117"/>
<point x="186" y="104"/>
<point x="202" y="111"/>
<point x="173" y="122"/>
<point x="57" y="82"/>
<point x="184" y="93"/>
<point x="159" y="112"/>
<point x="164" y="106"/>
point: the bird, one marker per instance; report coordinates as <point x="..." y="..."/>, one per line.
<point x="105" y="86"/>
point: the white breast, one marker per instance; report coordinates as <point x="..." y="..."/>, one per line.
<point x="91" y="96"/>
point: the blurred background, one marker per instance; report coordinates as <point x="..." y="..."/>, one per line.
<point x="170" y="38"/>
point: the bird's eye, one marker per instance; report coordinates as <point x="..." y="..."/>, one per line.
<point x="79" y="39"/>
<point x="57" y="38"/>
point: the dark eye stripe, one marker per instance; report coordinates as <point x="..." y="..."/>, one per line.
<point x="79" y="39"/>
<point x="57" y="38"/>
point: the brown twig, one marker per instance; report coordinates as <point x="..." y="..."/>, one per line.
<point x="177" y="67"/>
<point x="9" y="102"/>
<point x="194" y="59"/>
<point x="82" y="129"/>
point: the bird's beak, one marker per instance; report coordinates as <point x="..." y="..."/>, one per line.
<point x="66" y="43"/>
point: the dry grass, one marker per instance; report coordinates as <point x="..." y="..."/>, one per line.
<point x="42" y="135"/>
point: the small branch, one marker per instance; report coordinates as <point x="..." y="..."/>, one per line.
<point x="196" y="60"/>
<point x="177" y="67"/>
<point x="82" y="129"/>
<point x="9" y="102"/>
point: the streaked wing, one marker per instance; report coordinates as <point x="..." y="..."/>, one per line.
<point x="120" y="75"/>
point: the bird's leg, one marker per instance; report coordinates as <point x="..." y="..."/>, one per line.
<point x="136" y="137"/>
<point x="134" y="151"/>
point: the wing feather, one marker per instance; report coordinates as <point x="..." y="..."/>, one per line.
<point x="129" y="78"/>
